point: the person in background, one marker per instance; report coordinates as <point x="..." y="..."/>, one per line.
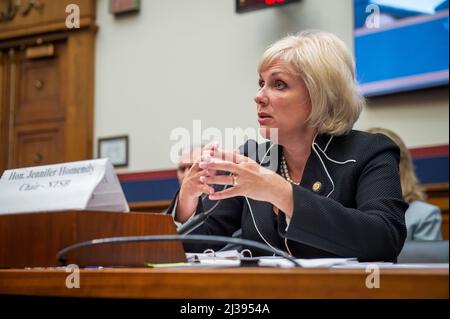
<point x="423" y="220"/>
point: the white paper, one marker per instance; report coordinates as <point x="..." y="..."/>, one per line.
<point x="84" y="185"/>
<point x="305" y="263"/>
<point x="214" y="256"/>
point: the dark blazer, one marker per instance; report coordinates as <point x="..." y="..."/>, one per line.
<point x="349" y="203"/>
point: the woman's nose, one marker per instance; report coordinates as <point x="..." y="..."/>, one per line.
<point x="261" y="97"/>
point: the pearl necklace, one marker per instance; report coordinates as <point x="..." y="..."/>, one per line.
<point x="285" y="172"/>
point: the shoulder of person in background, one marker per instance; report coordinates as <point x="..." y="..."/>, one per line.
<point x="423" y="221"/>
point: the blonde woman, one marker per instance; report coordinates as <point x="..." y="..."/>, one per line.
<point x="334" y="191"/>
<point x="423" y="220"/>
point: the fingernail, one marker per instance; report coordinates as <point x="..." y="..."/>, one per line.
<point x="203" y="165"/>
<point x="203" y="179"/>
<point x="212" y="196"/>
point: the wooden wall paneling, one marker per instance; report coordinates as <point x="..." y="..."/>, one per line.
<point x="11" y="102"/>
<point x="38" y="144"/>
<point x="80" y="95"/>
<point x="438" y="194"/>
<point x="47" y="80"/>
<point x="38" y="237"/>
<point x="33" y="40"/>
<point x="50" y="18"/>
<point x="31" y="144"/>
<point x="26" y="238"/>
<point x="42" y="87"/>
<point x="150" y="206"/>
<point x="3" y="113"/>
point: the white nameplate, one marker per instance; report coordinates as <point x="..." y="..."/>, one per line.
<point x="85" y="185"/>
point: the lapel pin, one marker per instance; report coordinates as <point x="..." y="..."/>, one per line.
<point x="317" y="186"/>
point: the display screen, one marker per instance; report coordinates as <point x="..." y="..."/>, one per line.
<point x="251" y="5"/>
<point x="401" y="45"/>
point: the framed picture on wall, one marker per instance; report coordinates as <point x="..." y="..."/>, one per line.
<point x="115" y="148"/>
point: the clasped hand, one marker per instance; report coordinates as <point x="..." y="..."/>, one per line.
<point x="243" y="177"/>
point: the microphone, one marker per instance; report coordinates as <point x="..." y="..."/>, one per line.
<point x="197" y="220"/>
<point x="61" y="255"/>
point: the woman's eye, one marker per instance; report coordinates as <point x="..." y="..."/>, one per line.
<point x="260" y="83"/>
<point x="280" y="85"/>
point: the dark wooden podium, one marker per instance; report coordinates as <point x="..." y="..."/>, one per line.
<point x="33" y="240"/>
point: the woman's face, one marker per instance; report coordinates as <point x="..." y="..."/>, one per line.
<point x="282" y="102"/>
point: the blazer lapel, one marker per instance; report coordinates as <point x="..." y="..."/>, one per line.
<point x="265" y="219"/>
<point x="316" y="176"/>
<point x="269" y="157"/>
<point x="315" y="179"/>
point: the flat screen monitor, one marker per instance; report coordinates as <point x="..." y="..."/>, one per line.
<point x="401" y="45"/>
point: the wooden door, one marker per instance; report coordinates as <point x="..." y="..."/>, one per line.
<point x="4" y="110"/>
<point x="46" y="82"/>
<point x="46" y="99"/>
<point x="38" y="103"/>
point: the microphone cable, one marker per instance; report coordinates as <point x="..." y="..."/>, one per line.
<point x="197" y="220"/>
<point x="61" y="255"/>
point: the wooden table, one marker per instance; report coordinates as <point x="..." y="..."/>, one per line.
<point x="234" y="283"/>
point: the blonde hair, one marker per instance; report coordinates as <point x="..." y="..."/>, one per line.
<point x="410" y="184"/>
<point x="326" y="66"/>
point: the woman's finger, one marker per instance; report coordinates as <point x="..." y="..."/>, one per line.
<point x="201" y="172"/>
<point x="231" y="156"/>
<point x="195" y="168"/>
<point x="228" y="193"/>
<point x="220" y="165"/>
<point x="206" y="189"/>
<point x="217" y="180"/>
<point x="204" y="172"/>
<point x="211" y="146"/>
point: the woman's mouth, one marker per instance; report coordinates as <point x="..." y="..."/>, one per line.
<point x="264" y="118"/>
